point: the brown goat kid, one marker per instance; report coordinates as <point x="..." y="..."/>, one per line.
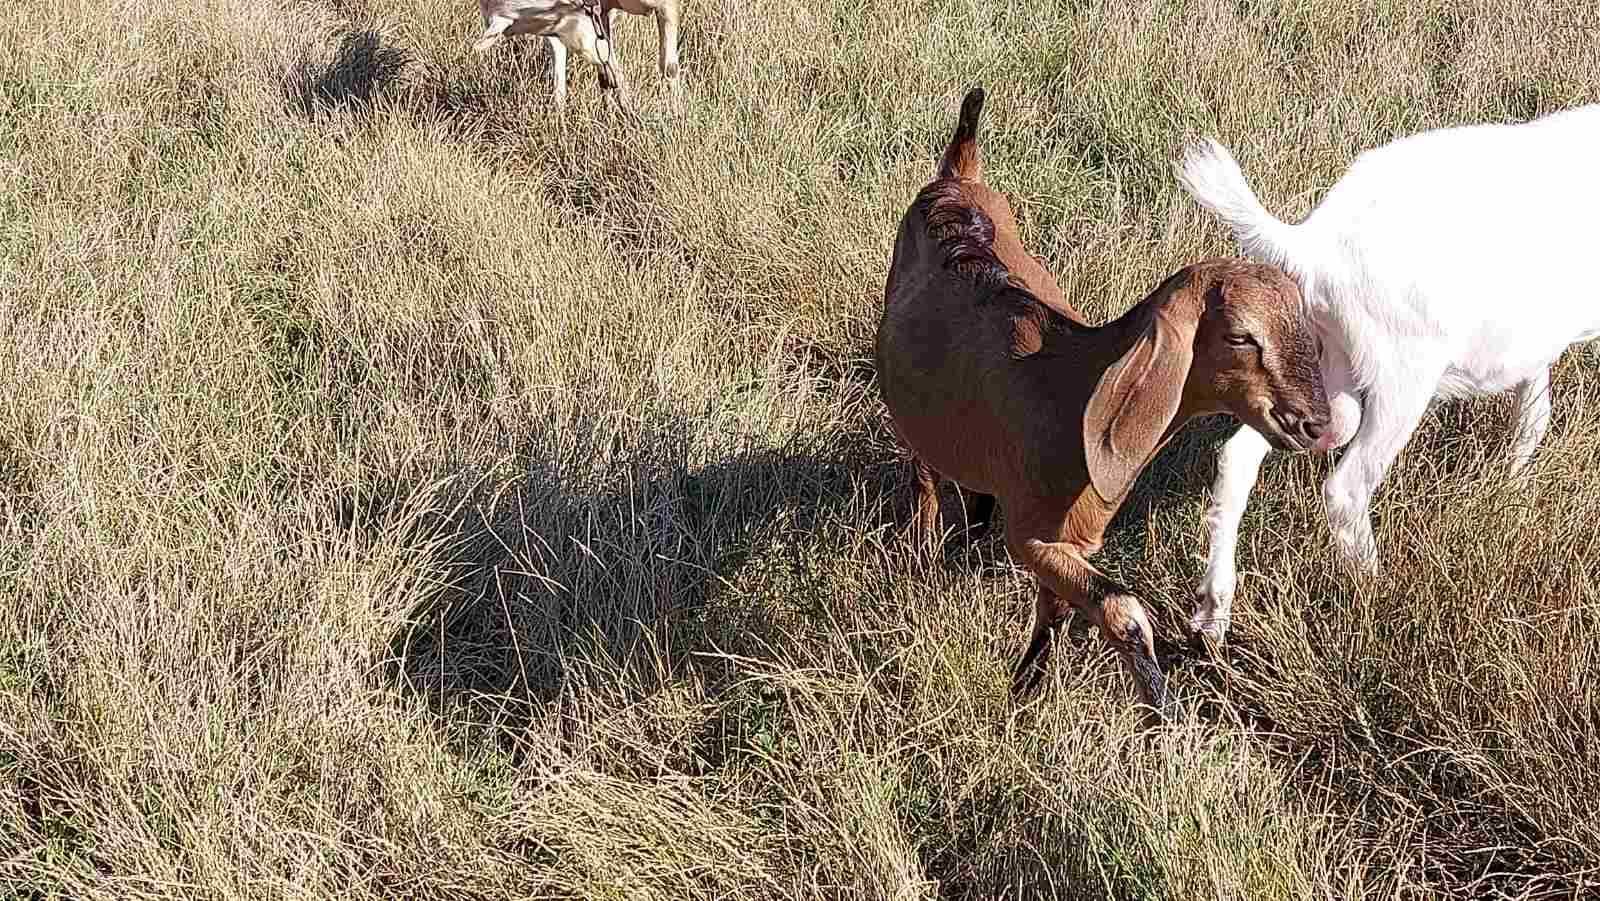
<point x="994" y="382"/>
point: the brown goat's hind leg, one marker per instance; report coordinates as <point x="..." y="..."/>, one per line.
<point x="925" y="507"/>
<point x="1064" y="574"/>
<point x="980" y="513"/>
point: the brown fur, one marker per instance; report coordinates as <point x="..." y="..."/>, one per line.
<point x="994" y="381"/>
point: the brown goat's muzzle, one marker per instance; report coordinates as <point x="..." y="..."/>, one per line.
<point x="1148" y="677"/>
<point x="1296" y="431"/>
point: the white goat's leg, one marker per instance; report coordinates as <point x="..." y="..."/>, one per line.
<point x="1388" y="421"/>
<point x="1237" y="467"/>
<point x="667" y="29"/>
<point x="1533" y="419"/>
<point x="558" y="70"/>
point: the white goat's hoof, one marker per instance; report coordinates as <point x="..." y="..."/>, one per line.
<point x="1205" y="625"/>
<point x="1213" y="613"/>
<point x="1360" y="562"/>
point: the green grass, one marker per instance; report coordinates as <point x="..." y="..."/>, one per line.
<point x="407" y="492"/>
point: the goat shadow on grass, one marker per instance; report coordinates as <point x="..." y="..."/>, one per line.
<point x="500" y="111"/>
<point x="362" y="70"/>
<point x="548" y="586"/>
<point x="487" y="108"/>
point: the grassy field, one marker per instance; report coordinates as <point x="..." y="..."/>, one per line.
<point x="409" y="493"/>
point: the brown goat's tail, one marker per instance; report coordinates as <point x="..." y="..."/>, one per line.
<point x="962" y="159"/>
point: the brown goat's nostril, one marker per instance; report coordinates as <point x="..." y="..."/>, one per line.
<point x="1287" y="419"/>
<point x="1292" y="422"/>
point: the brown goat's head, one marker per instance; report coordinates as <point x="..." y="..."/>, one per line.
<point x="1222" y="336"/>
<point x="1255" y="355"/>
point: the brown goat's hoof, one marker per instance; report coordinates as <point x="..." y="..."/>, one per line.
<point x="1027" y="678"/>
<point x="1024" y="686"/>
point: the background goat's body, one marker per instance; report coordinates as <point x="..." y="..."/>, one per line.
<point x="567" y="25"/>
<point x="1448" y="263"/>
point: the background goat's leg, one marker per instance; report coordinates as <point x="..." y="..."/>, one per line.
<point x="494" y="30"/>
<point x="667" y="30"/>
<point x="1064" y="575"/>
<point x="1532" y="418"/>
<point x="601" y="54"/>
<point x="558" y="69"/>
<point x="1238" y="465"/>
<point x="613" y="63"/>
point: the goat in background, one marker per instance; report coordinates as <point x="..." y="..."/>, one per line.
<point x="1448" y="263"/>
<point x="570" y="25"/>
<point x="992" y="380"/>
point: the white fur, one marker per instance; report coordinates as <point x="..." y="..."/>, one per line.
<point x="1449" y="263"/>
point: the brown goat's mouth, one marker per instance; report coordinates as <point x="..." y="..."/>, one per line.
<point x="1279" y="437"/>
<point x="1287" y="442"/>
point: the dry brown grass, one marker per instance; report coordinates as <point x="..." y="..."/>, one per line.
<point x="407" y="494"/>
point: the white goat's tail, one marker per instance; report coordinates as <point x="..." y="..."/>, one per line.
<point x="1212" y="177"/>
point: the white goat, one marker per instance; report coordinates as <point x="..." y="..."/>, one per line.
<point x="567" y="25"/>
<point x="1449" y="263"/>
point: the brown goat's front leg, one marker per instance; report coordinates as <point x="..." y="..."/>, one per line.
<point x="1066" y="578"/>
<point x="1047" y="616"/>
<point x="979" y="508"/>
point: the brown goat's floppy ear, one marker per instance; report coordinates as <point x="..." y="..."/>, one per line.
<point x="1136" y="399"/>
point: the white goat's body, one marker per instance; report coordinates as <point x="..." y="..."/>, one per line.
<point x="1449" y="263"/>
